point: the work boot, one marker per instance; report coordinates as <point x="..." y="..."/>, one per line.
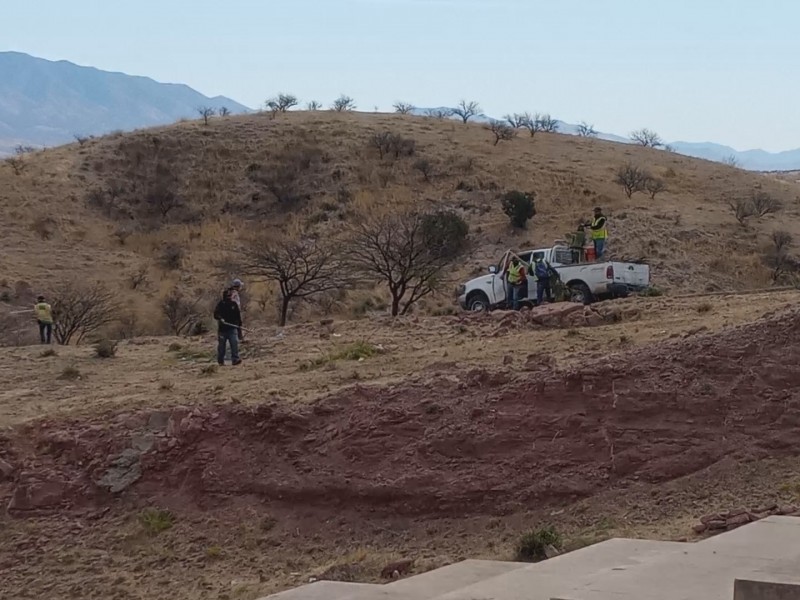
<point x="237" y="362"/>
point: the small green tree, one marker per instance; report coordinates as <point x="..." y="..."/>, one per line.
<point x="520" y="207"/>
<point x="445" y="233"/>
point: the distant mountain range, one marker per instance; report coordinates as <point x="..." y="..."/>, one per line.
<point x="46" y="103"/>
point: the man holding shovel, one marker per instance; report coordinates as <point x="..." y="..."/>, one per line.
<point x="229" y="321"/>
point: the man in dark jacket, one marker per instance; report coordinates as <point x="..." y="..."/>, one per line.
<point x="229" y="321"/>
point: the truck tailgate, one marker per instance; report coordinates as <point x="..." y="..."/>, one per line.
<point x="633" y="275"/>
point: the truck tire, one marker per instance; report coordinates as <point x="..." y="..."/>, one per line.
<point x="478" y="302"/>
<point x="580" y="292"/>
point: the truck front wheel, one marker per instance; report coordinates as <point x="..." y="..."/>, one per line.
<point x="579" y="292"/>
<point x="478" y="302"/>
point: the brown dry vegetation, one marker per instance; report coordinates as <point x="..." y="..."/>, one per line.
<point x="170" y="202"/>
<point x="153" y="212"/>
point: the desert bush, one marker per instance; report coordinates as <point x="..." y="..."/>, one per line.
<point x="48" y="353"/>
<point x="105" y="348"/>
<point x="301" y="268"/>
<point x="632" y="179"/>
<point x="764" y="204"/>
<point x="281" y="102"/>
<point x="445" y="233"/>
<point x="466" y="110"/>
<point x="156" y="520"/>
<point x="502" y="131"/>
<point x="425" y="167"/>
<point x="138" y="278"/>
<point x="519" y="207"/>
<point x="646" y="137"/>
<point x="742" y="210"/>
<point x="343" y="104"/>
<point x="392" y="248"/>
<point x="171" y="257"/>
<point x="80" y="309"/>
<point x="586" y="130"/>
<point x="70" y="373"/>
<point x="654" y="186"/>
<point x="182" y="313"/>
<point x="439" y="113"/>
<point x="778" y="256"/>
<point x="205" y="112"/>
<point x="403" y="108"/>
<point x="534" y="545"/>
<point x="313" y="105"/>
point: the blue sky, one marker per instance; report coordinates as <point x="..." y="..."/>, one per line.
<point x="705" y="70"/>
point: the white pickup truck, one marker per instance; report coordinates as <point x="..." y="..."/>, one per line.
<point x="586" y="281"/>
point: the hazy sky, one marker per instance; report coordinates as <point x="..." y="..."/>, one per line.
<point x="704" y="70"/>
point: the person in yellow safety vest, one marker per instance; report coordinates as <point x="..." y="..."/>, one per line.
<point x="599" y="232"/>
<point x="44" y="317"/>
<point x="516" y="278"/>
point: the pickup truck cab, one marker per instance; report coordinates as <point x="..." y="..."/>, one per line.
<point x="586" y="281"/>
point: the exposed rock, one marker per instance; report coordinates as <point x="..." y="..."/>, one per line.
<point x="125" y="471"/>
<point x="700" y="528"/>
<point x="158" y="420"/>
<point x="35" y="494"/>
<point x="737" y="521"/>
<point x="6" y="470"/>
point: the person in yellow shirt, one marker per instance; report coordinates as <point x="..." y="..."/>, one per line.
<point x="44" y="316"/>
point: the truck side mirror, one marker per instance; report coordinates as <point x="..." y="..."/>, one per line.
<point x="492" y="269"/>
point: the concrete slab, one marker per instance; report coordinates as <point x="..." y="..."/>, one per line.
<point x="748" y="589"/>
<point x="544" y="580"/>
<point x="321" y="590"/>
<point x="453" y="577"/>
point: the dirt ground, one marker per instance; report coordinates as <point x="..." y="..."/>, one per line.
<point x="149" y="475"/>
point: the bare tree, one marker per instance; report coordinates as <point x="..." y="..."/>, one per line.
<point x="81" y="139"/>
<point x="224" y="111"/>
<point x="181" y="312"/>
<point x="343" y="104"/>
<point x="586" y="130"/>
<point x="529" y="122"/>
<point x="646" y="137"/>
<point x="517" y="120"/>
<point x="631" y="178"/>
<point x="764" y="204"/>
<point x="466" y="110"/>
<point x="394" y="249"/>
<point x="313" y="105"/>
<point x="301" y="268"/>
<point x="742" y="210"/>
<point x="731" y="161"/>
<point x="778" y="257"/>
<point x="547" y="124"/>
<point x="439" y="113"/>
<point x="281" y="103"/>
<point x="654" y="186"/>
<point x="80" y="309"/>
<point x="17" y="162"/>
<point x="404" y="108"/>
<point x="205" y="112"/>
<point x="502" y="131"/>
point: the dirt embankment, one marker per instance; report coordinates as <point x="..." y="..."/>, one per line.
<point x="449" y="442"/>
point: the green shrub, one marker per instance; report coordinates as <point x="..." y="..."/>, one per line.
<point x="156" y="520"/>
<point x="520" y="207"/>
<point x="445" y="233"/>
<point x="533" y="545"/>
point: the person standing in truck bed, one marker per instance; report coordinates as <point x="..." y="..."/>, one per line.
<point x="599" y="229"/>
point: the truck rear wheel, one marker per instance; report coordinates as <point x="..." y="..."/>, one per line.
<point x="579" y="292"/>
<point x="478" y="302"/>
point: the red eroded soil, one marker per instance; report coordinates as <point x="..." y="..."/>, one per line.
<point x="449" y="443"/>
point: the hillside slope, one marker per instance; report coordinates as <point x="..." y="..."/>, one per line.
<point x="89" y="211"/>
<point x="45" y="103"/>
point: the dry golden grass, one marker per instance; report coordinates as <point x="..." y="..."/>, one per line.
<point x="51" y="231"/>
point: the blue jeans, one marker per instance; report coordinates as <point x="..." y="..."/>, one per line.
<point x="228" y="336"/>
<point x="542" y="287"/>
<point x="45" y="332"/>
<point x="516" y="295"/>
<point x="599" y="248"/>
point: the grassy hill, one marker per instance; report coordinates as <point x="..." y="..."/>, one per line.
<point x="168" y="203"/>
